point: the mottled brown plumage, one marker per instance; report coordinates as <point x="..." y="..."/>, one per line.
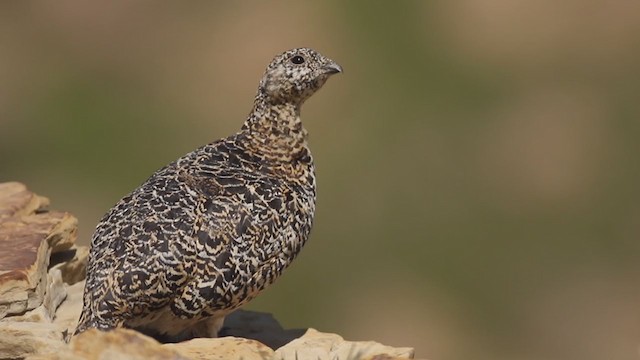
<point x="205" y="234"/>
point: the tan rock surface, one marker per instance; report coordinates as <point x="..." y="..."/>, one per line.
<point x="68" y="313"/>
<point x="19" y="339"/>
<point x="27" y="242"/>
<point x="226" y="348"/>
<point x="119" y="344"/>
<point x="317" y="345"/>
<point x="29" y="293"/>
<point x="54" y="295"/>
<point x="16" y="200"/>
<point x="72" y="263"/>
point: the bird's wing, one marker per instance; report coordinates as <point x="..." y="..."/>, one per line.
<point x="183" y="238"/>
<point x="238" y="231"/>
<point x="138" y="248"/>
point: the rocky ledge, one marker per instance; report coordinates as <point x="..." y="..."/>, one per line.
<point x="41" y="283"/>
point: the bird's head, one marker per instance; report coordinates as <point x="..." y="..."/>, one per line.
<point x="293" y="76"/>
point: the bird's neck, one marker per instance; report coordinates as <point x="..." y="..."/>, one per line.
<point x="275" y="130"/>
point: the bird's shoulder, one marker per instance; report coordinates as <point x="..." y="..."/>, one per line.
<point x="219" y="176"/>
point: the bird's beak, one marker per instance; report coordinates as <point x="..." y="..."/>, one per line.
<point x="332" y="68"/>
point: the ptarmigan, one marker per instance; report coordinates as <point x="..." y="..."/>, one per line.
<point x="206" y="233"/>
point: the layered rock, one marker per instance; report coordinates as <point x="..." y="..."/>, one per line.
<point x="28" y="237"/>
<point x="31" y="289"/>
<point x="41" y="283"/>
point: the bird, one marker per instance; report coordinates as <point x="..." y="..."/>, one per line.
<point x="208" y="232"/>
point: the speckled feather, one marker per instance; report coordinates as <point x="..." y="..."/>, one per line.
<point x="205" y="234"/>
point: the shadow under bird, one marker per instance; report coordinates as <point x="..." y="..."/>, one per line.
<point x="205" y="234"/>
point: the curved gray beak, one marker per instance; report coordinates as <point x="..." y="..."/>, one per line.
<point x="332" y="68"/>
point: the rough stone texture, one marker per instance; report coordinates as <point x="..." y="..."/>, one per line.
<point x="119" y="344"/>
<point x="69" y="311"/>
<point x="317" y="345"/>
<point x="16" y="200"/>
<point x="41" y="273"/>
<point x="27" y="237"/>
<point x="54" y="295"/>
<point x="29" y="292"/>
<point x="19" y="339"/>
<point x="223" y="349"/>
<point x="72" y="263"/>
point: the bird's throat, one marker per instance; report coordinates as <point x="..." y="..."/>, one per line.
<point x="275" y="130"/>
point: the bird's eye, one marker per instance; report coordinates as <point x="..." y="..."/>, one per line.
<point x="297" y="59"/>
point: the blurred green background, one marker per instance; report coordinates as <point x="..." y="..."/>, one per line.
<point x="477" y="161"/>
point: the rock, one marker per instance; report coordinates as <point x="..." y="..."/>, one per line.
<point x="28" y="236"/>
<point x="16" y="200"/>
<point x="28" y="241"/>
<point x="225" y="348"/>
<point x="316" y="345"/>
<point x="56" y="292"/>
<point x="121" y="344"/>
<point x="297" y="343"/>
<point x="19" y="339"/>
<point x="304" y="343"/>
<point x="69" y="311"/>
<point x="72" y="263"/>
<point x="252" y="326"/>
<point x="54" y="295"/>
<point x="29" y="293"/>
<point x="288" y="344"/>
<point x="23" y="266"/>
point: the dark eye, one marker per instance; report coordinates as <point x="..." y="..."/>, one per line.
<point x="297" y="59"/>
